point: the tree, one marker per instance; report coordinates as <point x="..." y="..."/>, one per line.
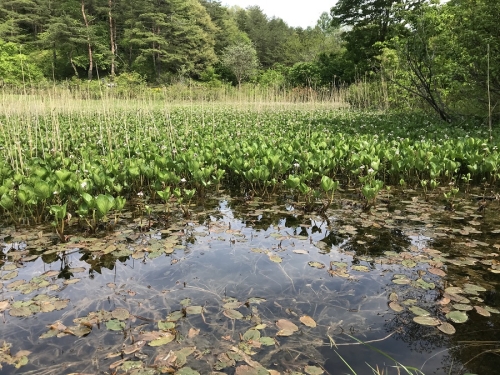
<point x="369" y="22"/>
<point x="241" y="59"/>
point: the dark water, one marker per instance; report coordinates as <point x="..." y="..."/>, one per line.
<point x="224" y="252"/>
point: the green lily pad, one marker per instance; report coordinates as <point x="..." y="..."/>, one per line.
<point x="115" y="325"/>
<point x="187" y="371"/>
<point x="165" y="326"/>
<point x="251" y="334"/>
<point x="233" y="314"/>
<point x="457" y="316"/>
<point x="462" y="307"/>
<point x="267" y="341"/>
<point x="192" y="310"/>
<point x="409" y="263"/>
<point x="162" y="340"/>
<point x="175" y="316"/>
<point x="419" y="311"/>
<point x="20" y="311"/>
<point x="232" y="305"/>
<point x="421" y="283"/>
<point x="401" y="281"/>
<point x="427" y="320"/>
<point x="361" y="268"/>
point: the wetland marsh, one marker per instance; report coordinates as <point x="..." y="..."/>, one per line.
<point x="246" y="239"/>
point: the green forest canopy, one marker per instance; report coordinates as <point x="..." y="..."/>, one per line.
<point x="418" y="51"/>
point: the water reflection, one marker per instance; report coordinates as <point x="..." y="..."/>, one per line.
<point x="225" y="250"/>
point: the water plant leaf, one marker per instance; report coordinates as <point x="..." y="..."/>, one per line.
<point x="22" y="311"/>
<point x="115" y="325"/>
<point x="165" y="326"/>
<point x="275" y="258"/>
<point x="361" y="268"/>
<point x="10" y="275"/>
<point x="4" y="305"/>
<point x="313" y="370"/>
<point x="267" y="341"/>
<point x="284" y="324"/>
<point x="308" y="321"/>
<point x="409" y="263"/>
<point x="163" y="340"/>
<point x="472" y="287"/>
<point x="396" y="307"/>
<point x="187" y="371"/>
<point x="447" y="328"/>
<point x="232" y="305"/>
<point x="421" y="283"/>
<point x="457" y="316"/>
<point x="301" y="251"/>
<point x="120" y="314"/>
<point x="192" y="310"/>
<point x="482" y="311"/>
<point x="251" y="334"/>
<point x="437" y="271"/>
<point x="427" y="320"/>
<point x="233" y="314"/>
<point x="419" y="311"/>
<point x="175" y="316"/>
<point x="316" y="265"/>
<point x="462" y="307"/>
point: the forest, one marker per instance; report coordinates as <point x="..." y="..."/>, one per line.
<point x="443" y="57"/>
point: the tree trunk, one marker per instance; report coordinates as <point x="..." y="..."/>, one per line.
<point x="91" y="61"/>
<point x="112" y="39"/>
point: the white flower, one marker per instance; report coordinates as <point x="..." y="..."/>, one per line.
<point x="183" y="180"/>
<point x="370" y="170"/>
<point x="296" y="165"/>
<point x="140" y="194"/>
<point x="83" y="185"/>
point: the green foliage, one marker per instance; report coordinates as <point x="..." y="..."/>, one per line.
<point x="241" y="60"/>
<point x="16" y="67"/>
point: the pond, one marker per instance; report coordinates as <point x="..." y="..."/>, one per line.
<point x="244" y="286"/>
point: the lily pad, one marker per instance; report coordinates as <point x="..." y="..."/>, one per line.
<point x="308" y="321"/>
<point x="419" y="311"/>
<point x="192" y="310"/>
<point x="286" y="325"/>
<point x="168" y="337"/>
<point x="457" y="316"/>
<point x="251" y="334"/>
<point x="115" y="325"/>
<point x="361" y="268"/>
<point x="447" y="328"/>
<point x="482" y="311"/>
<point x="165" y="326"/>
<point x="462" y="307"/>
<point x="233" y="314"/>
<point x="120" y="314"/>
<point x="427" y="320"/>
<point x="313" y="370"/>
<point x="187" y="371"/>
<point x="267" y="341"/>
<point x="396" y="307"/>
<point x="316" y="265"/>
<point x="275" y="258"/>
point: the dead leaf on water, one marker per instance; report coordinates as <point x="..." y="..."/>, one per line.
<point x="308" y="321"/>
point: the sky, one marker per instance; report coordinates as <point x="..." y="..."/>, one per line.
<point x="294" y="12"/>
